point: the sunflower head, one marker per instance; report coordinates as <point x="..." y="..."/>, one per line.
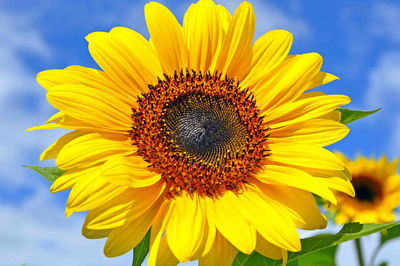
<point x="209" y="140"/>
<point x="377" y="192"/>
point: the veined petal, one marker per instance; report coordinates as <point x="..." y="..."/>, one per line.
<point x="70" y="178"/>
<point x="61" y="120"/>
<point x="222" y="253"/>
<point x="185" y="228"/>
<point x="91" y="192"/>
<point x="157" y="231"/>
<point x="126" y="57"/>
<point x="94" y="234"/>
<point x="333" y="115"/>
<point x="203" y="32"/>
<point x="90" y="77"/>
<point x="52" y="151"/>
<point x="339" y="184"/>
<point x="224" y="16"/>
<point x="93" y="148"/>
<point x="131" y="171"/>
<point x="268" y="217"/>
<point x="266" y="249"/>
<point x="95" y="107"/>
<point x="268" y="52"/>
<point x="321" y="132"/>
<point x="304" y="156"/>
<point x="300" y="205"/>
<point x="125" y="238"/>
<point x="287" y="82"/>
<point x="304" y="109"/>
<point x="167" y="37"/>
<point x="320" y="79"/>
<point x="125" y="207"/>
<point x="290" y="176"/>
<point x="235" y="56"/>
<point x="165" y="257"/>
<point x="227" y="219"/>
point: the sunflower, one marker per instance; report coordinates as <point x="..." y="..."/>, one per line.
<point x="205" y="138"/>
<point x="377" y="192"/>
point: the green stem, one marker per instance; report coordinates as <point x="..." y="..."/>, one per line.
<point x="374" y="255"/>
<point x="359" y="252"/>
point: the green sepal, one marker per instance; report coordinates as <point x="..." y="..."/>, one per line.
<point x="348" y="116"/>
<point x="50" y="173"/>
<point x="141" y="250"/>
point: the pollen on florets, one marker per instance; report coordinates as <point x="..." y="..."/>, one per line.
<point x="202" y="133"/>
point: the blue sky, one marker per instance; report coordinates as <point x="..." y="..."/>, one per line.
<point x="358" y="40"/>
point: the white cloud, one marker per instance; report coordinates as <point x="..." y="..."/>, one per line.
<point x="20" y="106"/>
<point x="384" y="81"/>
<point x="385" y="21"/>
<point x="37" y="233"/>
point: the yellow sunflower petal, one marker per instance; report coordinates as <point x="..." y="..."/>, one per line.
<point x="320" y="79"/>
<point x="300" y="204"/>
<point x="61" y="120"/>
<point x="290" y="176"/>
<point x="126" y="57"/>
<point x="91" y="192"/>
<point x="268" y="52"/>
<point x="70" y="178"/>
<point x="185" y="228"/>
<point x="90" y="77"/>
<point x="304" y="109"/>
<point x="131" y="171"/>
<point x="94" y="234"/>
<point x="52" y="151"/>
<point x="222" y="253"/>
<point x="224" y="16"/>
<point x="125" y="238"/>
<point x="235" y="55"/>
<point x="203" y="33"/>
<point x="227" y="220"/>
<point x="167" y="37"/>
<point x="287" y="82"/>
<point x="165" y="257"/>
<point x="334" y="115"/>
<point x="268" y="217"/>
<point x="157" y="231"/>
<point x="304" y="155"/>
<point x="266" y="249"/>
<point x="92" y="148"/>
<point x="125" y="207"/>
<point x="321" y="132"/>
<point x="95" y="107"/>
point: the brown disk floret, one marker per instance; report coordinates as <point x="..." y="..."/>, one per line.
<point x="203" y="134"/>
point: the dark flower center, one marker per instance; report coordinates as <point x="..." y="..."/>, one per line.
<point x="205" y="129"/>
<point x="367" y="189"/>
<point x="202" y="133"/>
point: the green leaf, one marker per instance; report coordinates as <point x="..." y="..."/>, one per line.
<point x="50" y="173"/>
<point x="390" y="234"/>
<point x="324" y="257"/>
<point x="311" y="245"/>
<point x="141" y="250"/>
<point x="349" y="116"/>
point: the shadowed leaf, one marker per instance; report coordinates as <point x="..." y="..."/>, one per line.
<point x="390" y="234"/>
<point x="313" y="244"/>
